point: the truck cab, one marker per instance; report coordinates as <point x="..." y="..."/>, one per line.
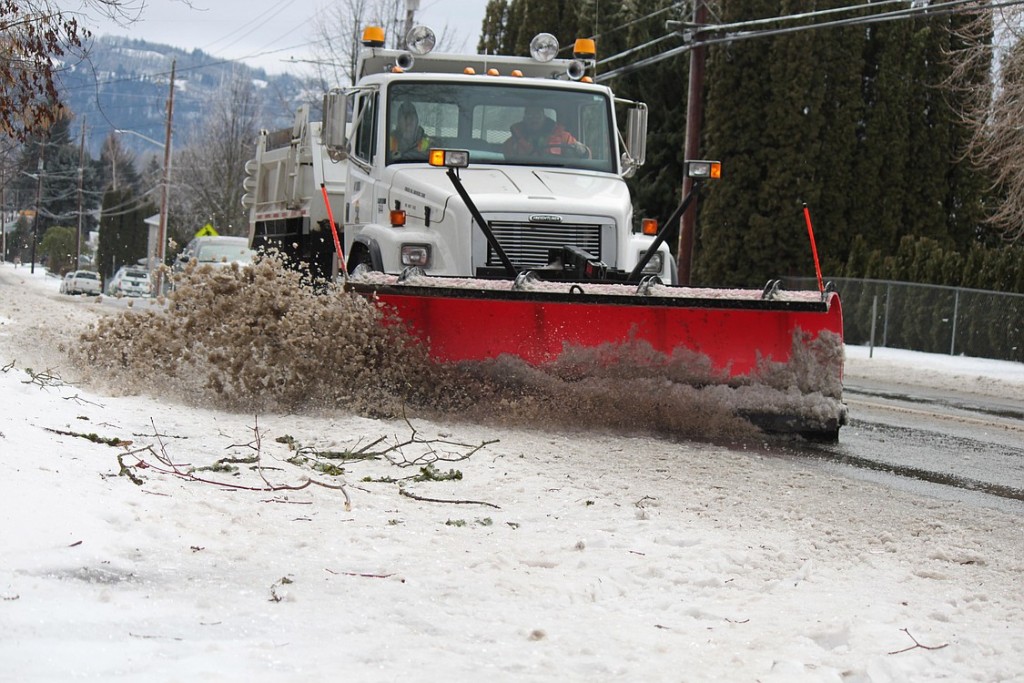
<point x="546" y="168"/>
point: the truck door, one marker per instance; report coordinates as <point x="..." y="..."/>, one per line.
<point x="360" y="206"/>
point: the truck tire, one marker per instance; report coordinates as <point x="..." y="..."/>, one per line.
<point x="365" y="258"/>
<point x="361" y="263"/>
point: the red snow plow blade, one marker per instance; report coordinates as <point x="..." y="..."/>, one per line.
<point x="790" y="343"/>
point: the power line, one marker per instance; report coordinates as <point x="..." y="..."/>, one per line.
<point x="695" y="39"/>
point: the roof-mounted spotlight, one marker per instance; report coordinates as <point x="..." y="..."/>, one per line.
<point x="544" y="47"/>
<point x="420" y="40"/>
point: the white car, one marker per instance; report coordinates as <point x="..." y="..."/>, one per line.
<point x="216" y="251"/>
<point x="130" y="281"/>
<point x="81" y="282"/>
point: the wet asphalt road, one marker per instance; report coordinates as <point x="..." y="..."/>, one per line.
<point x="961" y="447"/>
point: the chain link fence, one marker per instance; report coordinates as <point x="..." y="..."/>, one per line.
<point x="930" y="318"/>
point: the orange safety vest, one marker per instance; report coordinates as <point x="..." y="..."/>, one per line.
<point x="422" y="145"/>
<point x="523" y="143"/>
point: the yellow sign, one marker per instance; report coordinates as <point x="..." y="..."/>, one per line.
<point x="207" y="231"/>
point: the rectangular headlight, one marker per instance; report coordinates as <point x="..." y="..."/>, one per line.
<point x="704" y="169"/>
<point x="655" y="265"/>
<point x="416" y="255"/>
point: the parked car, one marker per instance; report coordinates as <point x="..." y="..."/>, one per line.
<point x="130" y="281"/>
<point x="81" y="282"/>
<point x="215" y="251"/>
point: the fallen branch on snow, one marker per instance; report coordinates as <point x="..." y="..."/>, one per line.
<point x="917" y="645"/>
<point x="424" y="499"/>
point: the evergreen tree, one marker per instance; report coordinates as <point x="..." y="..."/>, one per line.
<point x="124" y="235"/>
<point x="738" y="86"/>
<point x="831" y="202"/>
<point x="538" y="16"/>
<point x="19" y="241"/>
<point x="793" y="125"/>
<point x="663" y="87"/>
<point x="59" y="198"/>
<point x="493" y="33"/>
<point x="59" y="249"/>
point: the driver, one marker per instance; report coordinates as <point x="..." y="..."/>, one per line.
<point x="408" y="139"/>
<point x="538" y="135"/>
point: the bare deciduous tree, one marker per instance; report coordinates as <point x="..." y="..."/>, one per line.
<point x="34" y="36"/>
<point x="339" y="33"/>
<point x="988" y="78"/>
<point x="209" y="170"/>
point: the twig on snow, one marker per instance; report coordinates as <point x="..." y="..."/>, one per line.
<point x="917" y="645"/>
<point x="409" y="494"/>
<point x="360" y="574"/>
<point x="43" y="379"/>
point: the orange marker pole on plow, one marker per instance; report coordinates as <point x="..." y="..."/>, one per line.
<point x="337" y="243"/>
<point x="814" y="248"/>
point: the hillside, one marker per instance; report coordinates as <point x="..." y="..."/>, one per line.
<point x="123" y="83"/>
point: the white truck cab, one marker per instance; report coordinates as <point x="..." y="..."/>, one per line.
<point x="540" y="187"/>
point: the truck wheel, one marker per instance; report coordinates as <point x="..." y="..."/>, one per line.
<point x="362" y="263"/>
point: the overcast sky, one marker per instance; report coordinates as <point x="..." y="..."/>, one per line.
<point x="265" y="33"/>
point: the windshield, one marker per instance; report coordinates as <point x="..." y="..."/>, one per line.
<point x="501" y="124"/>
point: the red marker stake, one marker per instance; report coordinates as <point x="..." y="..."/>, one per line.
<point x="814" y="248"/>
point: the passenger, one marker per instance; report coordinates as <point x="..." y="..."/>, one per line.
<point x="537" y="135"/>
<point x="408" y="140"/>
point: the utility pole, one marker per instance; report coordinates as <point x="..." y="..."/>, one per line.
<point x="411" y="6"/>
<point x="39" y="200"/>
<point x="161" y="233"/>
<point x="694" y="114"/>
<point x="81" y="182"/>
<point x="3" y="212"/>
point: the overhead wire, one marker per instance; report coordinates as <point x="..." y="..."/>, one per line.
<point x="933" y="10"/>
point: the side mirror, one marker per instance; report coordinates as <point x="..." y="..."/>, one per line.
<point x="636" y="139"/>
<point x="332" y="133"/>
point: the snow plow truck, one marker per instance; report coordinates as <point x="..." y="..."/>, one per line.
<point x="482" y="200"/>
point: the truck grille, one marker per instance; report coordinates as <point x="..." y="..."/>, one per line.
<point x="527" y="244"/>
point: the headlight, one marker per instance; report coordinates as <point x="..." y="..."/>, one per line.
<point x="416" y="255"/>
<point x="655" y="265"/>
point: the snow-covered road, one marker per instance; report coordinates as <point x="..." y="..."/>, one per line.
<point x="556" y="555"/>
